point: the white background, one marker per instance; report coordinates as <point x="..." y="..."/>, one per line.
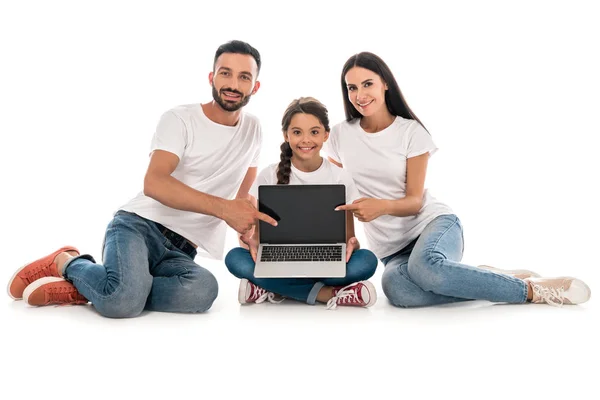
<point x="509" y="91"/>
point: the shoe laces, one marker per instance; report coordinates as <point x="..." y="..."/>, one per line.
<point x="268" y="296"/>
<point x="346" y="295"/>
<point x="40" y="272"/>
<point x="263" y="295"/>
<point x="64" y="296"/>
<point x="552" y="296"/>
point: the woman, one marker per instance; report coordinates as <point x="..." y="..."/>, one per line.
<point x="385" y="148"/>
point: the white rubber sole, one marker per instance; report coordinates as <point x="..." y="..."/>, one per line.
<point x="372" y="293"/>
<point x="11" y="281"/>
<point x="578" y="292"/>
<point x="242" y="291"/>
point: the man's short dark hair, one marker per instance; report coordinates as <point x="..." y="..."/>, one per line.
<point x="238" y="47"/>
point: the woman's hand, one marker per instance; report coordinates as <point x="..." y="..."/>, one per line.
<point x="365" y="209"/>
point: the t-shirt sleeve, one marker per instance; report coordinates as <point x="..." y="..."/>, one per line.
<point x="264" y="177"/>
<point x="170" y="135"/>
<point x="331" y="145"/>
<point x="256" y="156"/>
<point x="420" y="142"/>
<point x="352" y="192"/>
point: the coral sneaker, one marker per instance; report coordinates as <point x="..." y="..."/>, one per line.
<point x="51" y="290"/>
<point x="29" y="273"/>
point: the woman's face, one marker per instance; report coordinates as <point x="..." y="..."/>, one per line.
<point x="366" y="90"/>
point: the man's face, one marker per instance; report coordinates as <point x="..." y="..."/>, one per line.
<point x="234" y="80"/>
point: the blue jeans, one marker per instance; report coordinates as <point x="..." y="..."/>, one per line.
<point x="142" y="271"/>
<point x="362" y="266"/>
<point x="428" y="271"/>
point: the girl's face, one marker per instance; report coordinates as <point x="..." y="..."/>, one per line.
<point x="366" y="90"/>
<point x="306" y="136"/>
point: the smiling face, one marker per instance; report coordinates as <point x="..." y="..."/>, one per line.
<point x="366" y="91"/>
<point x="305" y="136"/>
<point x="234" y="80"/>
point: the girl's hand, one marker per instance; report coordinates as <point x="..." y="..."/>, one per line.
<point x="365" y="209"/>
<point x="350" y="247"/>
<point x="252" y="244"/>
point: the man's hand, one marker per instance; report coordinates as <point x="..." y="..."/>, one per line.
<point x="350" y="247"/>
<point x="365" y="209"/>
<point x="241" y="215"/>
<point x="252" y="244"/>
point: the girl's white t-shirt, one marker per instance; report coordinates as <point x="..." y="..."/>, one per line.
<point x="377" y="164"/>
<point x="327" y="173"/>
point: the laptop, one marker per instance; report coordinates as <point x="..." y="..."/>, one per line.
<point x="310" y="238"/>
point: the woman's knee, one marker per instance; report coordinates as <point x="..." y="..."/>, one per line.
<point x="426" y="270"/>
<point x="399" y="290"/>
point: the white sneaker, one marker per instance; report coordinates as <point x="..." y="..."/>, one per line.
<point x="251" y="293"/>
<point x="516" y="273"/>
<point x="559" y="291"/>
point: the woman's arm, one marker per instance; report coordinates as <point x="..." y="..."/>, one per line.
<point x="416" y="170"/>
<point x="367" y="209"/>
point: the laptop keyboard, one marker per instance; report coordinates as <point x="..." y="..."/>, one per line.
<point x="301" y="253"/>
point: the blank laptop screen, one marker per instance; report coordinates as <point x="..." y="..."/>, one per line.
<point x="305" y="214"/>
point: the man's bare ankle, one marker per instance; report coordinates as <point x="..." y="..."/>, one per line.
<point x="62" y="258"/>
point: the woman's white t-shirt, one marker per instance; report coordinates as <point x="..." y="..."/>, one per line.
<point x="377" y="164"/>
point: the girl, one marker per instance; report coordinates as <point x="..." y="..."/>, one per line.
<point x="305" y="126"/>
<point x="385" y="148"/>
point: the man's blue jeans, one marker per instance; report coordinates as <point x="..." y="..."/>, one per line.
<point x="142" y="270"/>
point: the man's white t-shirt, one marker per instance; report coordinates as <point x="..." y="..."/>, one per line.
<point x="213" y="159"/>
<point x="327" y="173"/>
<point x="377" y="164"/>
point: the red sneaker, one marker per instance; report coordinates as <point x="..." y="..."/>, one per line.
<point x="251" y="293"/>
<point x="361" y="294"/>
<point x="29" y="273"/>
<point x="51" y="290"/>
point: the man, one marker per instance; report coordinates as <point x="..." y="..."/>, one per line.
<point x="203" y="162"/>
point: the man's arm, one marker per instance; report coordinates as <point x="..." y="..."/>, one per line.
<point x="240" y="214"/>
<point x="244" y="193"/>
<point x="162" y="187"/>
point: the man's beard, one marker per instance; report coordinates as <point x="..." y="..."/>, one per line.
<point x="228" y="106"/>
